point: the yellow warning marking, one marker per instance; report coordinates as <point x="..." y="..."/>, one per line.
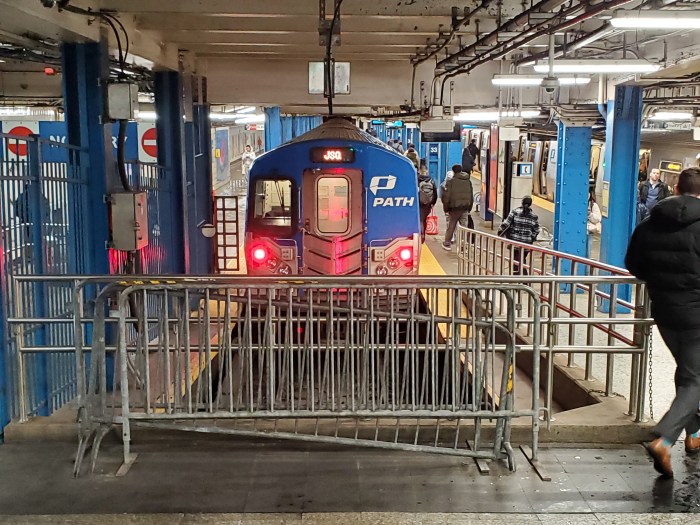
<point x="543" y="203"/>
<point x="429" y="265"/>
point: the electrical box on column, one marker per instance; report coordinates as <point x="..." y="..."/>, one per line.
<point x="122" y="100"/>
<point x="129" y="221"/>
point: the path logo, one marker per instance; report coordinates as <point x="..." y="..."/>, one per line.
<point x="384" y="182"/>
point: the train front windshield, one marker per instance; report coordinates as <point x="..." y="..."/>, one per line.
<point x="273" y="205"/>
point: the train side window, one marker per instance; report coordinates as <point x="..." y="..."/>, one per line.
<point x="333" y="204"/>
<point x="273" y="203"/>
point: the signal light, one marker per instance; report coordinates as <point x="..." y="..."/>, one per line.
<point x="406" y="254"/>
<point x="259" y="254"/>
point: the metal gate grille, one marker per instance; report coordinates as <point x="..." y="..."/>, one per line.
<point x="227" y="234"/>
<point x="43" y="205"/>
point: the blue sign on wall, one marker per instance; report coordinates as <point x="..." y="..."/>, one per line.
<point x="57" y="132"/>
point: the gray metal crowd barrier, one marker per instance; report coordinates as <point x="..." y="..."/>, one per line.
<point x="587" y="316"/>
<point x="413" y="363"/>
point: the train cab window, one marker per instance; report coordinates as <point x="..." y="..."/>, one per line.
<point x="273" y="204"/>
<point x="333" y="204"/>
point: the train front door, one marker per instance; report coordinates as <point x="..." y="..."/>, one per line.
<point x="332" y="222"/>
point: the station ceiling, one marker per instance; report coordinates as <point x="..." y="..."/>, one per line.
<point x="257" y="51"/>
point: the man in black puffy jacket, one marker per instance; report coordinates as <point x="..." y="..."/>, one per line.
<point x="665" y="253"/>
<point x="457" y="201"/>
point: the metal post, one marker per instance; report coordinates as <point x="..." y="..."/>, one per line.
<point x="273" y="128"/>
<point x="622" y="159"/>
<point x="571" y="203"/>
<point x="85" y="69"/>
<point x="38" y="212"/>
<point x="171" y="155"/>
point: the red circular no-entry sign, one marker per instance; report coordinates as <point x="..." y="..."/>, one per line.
<point x="148" y="142"/>
<point x="18" y="147"/>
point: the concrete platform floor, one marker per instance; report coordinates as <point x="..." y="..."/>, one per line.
<point x="193" y="473"/>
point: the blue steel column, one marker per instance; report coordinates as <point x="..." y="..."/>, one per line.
<point x="621" y="160"/>
<point x="273" y="128"/>
<point x="571" y="203"/>
<point x="171" y="155"/>
<point x="200" y="183"/>
<point x="85" y="74"/>
<point x="85" y="70"/>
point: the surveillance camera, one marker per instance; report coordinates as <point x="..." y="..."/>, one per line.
<point x="549" y="84"/>
<point x="48" y="3"/>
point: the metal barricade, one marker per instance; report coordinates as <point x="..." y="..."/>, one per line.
<point x="51" y="319"/>
<point x="586" y="316"/>
<point x="410" y="364"/>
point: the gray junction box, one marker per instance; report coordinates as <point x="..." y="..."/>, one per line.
<point x="129" y="221"/>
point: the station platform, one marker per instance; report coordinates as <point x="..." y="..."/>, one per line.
<point x="284" y="483"/>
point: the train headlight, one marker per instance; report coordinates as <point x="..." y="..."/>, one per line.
<point x="393" y="263"/>
<point x="382" y="270"/>
<point x="284" y="269"/>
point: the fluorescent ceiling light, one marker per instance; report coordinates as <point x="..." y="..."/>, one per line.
<point x="672" y="115"/>
<point x="146" y="115"/>
<point x="250" y="119"/>
<point x="493" y="116"/>
<point x="534" y="80"/>
<point x="656" y="20"/>
<point x="241" y="110"/>
<point x="15" y="111"/>
<point x="220" y="116"/>
<point x="598" y="66"/>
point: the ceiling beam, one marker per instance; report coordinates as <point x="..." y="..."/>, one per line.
<point x="282" y="8"/>
<point x="195" y="22"/>
<point x="31" y="20"/>
<point x="307" y="56"/>
<point x="191" y="37"/>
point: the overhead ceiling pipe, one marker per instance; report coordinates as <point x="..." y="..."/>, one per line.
<point x="532" y="34"/>
<point x="457" y="24"/>
<point x="593" y="36"/>
<point x="513" y="24"/>
<point x="542" y="30"/>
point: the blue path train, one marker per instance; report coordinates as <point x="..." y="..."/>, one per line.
<point x="334" y="201"/>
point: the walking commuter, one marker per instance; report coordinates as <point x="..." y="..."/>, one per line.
<point x="593" y="224"/>
<point x="427" y="197"/>
<point x="412" y="155"/>
<point x="247" y="160"/>
<point x="474" y="152"/>
<point x="467" y="161"/>
<point x="651" y="192"/>
<point x="521" y="225"/>
<point x="457" y="201"/>
<point x="663" y="252"/>
<point x="473" y="149"/>
<point x="399" y="146"/>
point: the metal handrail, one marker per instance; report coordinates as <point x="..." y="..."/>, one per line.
<point x="491" y="255"/>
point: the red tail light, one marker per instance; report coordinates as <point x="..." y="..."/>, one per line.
<point x="259" y="254"/>
<point x="406" y="254"/>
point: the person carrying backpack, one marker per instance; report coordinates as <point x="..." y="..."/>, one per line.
<point x="427" y="197"/>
